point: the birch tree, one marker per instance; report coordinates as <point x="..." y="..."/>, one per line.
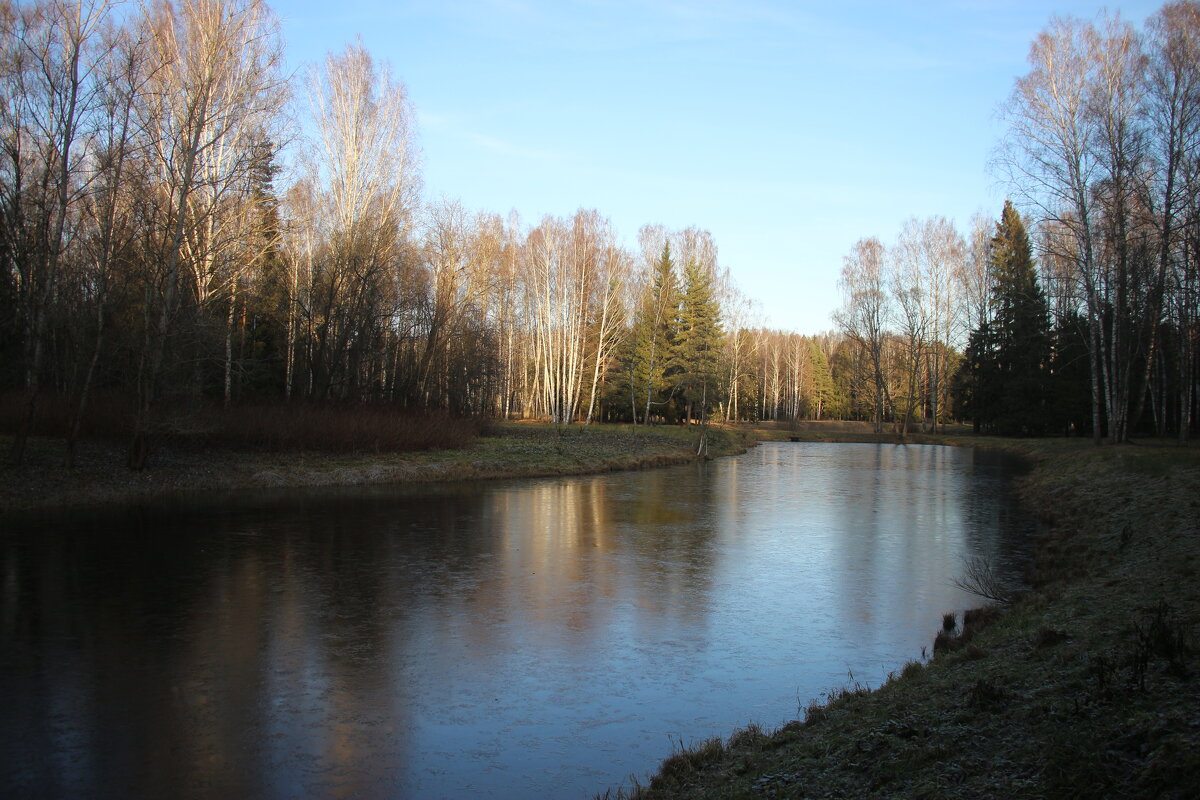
<point x="907" y="284"/>
<point x="1173" y="118"/>
<point x="216" y="72"/>
<point x="607" y="314"/>
<point x="363" y="160"/>
<point x="50" y="97"/>
<point x="864" y="313"/>
<point x="109" y="218"/>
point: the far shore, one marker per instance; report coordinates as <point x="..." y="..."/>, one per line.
<point x="512" y="450"/>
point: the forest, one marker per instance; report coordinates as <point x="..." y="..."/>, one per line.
<point x="195" y="243"/>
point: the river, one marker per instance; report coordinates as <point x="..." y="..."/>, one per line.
<point x="541" y="638"/>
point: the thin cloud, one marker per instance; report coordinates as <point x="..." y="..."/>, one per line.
<point x="445" y="125"/>
<point x="510" y="150"/>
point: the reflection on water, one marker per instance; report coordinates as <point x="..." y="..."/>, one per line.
<point x="531" y="638"/>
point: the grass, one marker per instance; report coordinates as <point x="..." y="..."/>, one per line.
<point x="193" y="467"/>
<point x="1087" y="685"/>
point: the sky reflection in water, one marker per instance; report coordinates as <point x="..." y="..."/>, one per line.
<point x="534" y="638"/>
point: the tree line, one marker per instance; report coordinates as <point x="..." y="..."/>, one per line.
<point x="169" y="245"/>
<point x="1099" y="336"/>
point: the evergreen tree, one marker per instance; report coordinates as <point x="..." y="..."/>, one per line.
<point x="648" y="360"/>
<point x="969" y="385"/>
<point x="822" y="380"/>
<point x="1008" y="389"/>
<point x="1071" y="395"/>
<point x="697" y="341"/>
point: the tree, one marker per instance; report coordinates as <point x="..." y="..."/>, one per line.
<point x="607" y="315"/>
<point x="50" y="94"/>
<point x="215" y="83"/>
<point x="653" y="336"/>
<point x="822" y="380"/>
<point x="698" y="340"/>
<point x="1173" y="118"/>
<point x="362" y="167"/>
<point x="864" y="313"/>
<point x="1010" y="355"/>
<point x="1096" y="140"/>
<point x="1050" y="157"/>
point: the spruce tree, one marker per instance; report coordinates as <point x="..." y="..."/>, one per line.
<point x="822" y="379"/>
<point x="1009" y="389"/>
<point x="649" y="359"/>
<point x="697" y="341"/>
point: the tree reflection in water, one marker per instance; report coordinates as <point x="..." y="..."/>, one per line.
<point x="537" y="637"/>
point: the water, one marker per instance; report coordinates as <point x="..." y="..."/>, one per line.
<point x="542" y="638"/>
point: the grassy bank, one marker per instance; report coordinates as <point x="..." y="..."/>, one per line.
<point x="1086" y="686"/>
<point x="509" y="451"/>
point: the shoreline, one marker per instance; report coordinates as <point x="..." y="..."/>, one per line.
<point x="1087" y="685"/>
<point x="516" y="450"/>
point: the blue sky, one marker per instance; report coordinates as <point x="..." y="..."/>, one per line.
<point x="787" y="129"/>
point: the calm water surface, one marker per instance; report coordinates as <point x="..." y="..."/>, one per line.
<point x="526" y="639"/>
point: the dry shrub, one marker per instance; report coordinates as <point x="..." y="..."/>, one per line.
<point x="748" y="737"/>
<point x="343" y="428"/>
<point x="982" y="578"/>
<point x="275" y="427"/>
<point x="108" y="415"/>
<point x="976" y="619"/>
<point x="974" y="652"/>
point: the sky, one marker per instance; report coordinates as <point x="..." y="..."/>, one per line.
<point x="789" y="130"/>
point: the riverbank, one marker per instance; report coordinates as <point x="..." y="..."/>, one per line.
<point x="512" y="450"/>
<point x="1088" y="685"/>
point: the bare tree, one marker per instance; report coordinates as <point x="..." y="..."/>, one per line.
<point x="363" y="163"/>
<point x="607" y="313"/>
<point x="864" y="313"/>
<point x="943" y="254"/>
<point x="1076" y="153"/>
<point x="216" y="73"/>
<point x="1049" y="158"/>
<point x="1128" y="292"/>
<point x="109" y="219"/>
<point x="912" y="312"/>
<point x="974" y="285"/>
<point x="1172" y="112"/>
<point x="738" y="346"/>
<point x="51" y="94"/>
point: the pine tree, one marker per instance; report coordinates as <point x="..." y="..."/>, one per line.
<point x="1008" y="390"/>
